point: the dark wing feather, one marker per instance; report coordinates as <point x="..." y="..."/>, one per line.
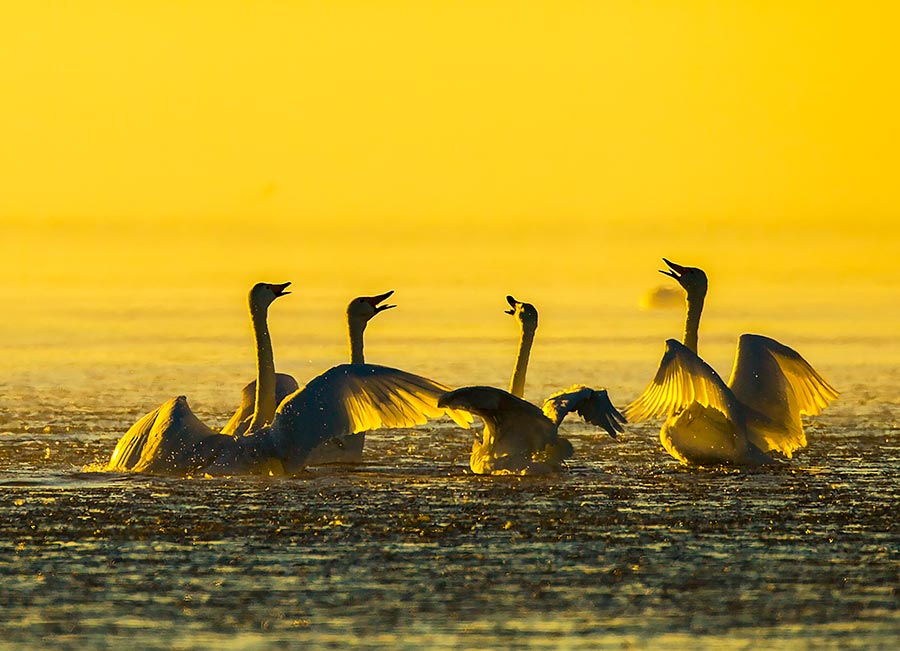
<point x="593" y="405"/>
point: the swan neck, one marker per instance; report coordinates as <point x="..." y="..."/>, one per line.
<point x="517" y="384"/>
<point x="356" y="330"/>
<point x="264" y="406"/>
<point x="692" y="323"/>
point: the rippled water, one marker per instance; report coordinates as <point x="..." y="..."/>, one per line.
<point x="625" y="549"/>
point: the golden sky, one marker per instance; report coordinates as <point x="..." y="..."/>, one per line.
<point x="453" y="151"/>
<point x="402" y="110"/>
<point x="548" y="147"/>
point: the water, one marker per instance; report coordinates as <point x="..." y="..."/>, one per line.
<point x="626" y="549"/>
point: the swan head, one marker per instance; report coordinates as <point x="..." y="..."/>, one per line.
<point x="362" y="308"/>
<point x="692" y="279"/>
<point x="525" y="313"/>
<point x="263" y="294"/>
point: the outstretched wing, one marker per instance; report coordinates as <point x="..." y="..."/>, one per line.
<point x="682" y="379"/>
<point x="592" y="405"/>
<point x="775" y="382"/>
<point x="353" y="398"/>
<point x="511" y="424"/>
<point x="168" y="440"/>
<point x="498" y="407"/>
<point x="239" y="422"/>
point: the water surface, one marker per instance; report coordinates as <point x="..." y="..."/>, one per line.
<point x="626" y="549"/>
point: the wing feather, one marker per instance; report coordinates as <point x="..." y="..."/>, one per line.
<point x="778" y="386"/>
<point x="352" y="398"/>
<point x="682" y="379"/>
<point x="511" y="423"/>
<point x="593" y="405"/>
<point x="168" y="440"/>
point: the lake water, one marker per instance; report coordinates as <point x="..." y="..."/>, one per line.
<point x="626" y="549"/>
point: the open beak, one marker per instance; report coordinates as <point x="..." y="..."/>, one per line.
<point x="280" y="290"/>
<point x="512" y="303"/>
<point x="375" y="300"/>
<point x="676" y="270"/>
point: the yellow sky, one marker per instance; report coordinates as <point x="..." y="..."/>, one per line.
<point x="453" y="151"/>
<point x="471" y="110"/>
<point x="171" y="153"/>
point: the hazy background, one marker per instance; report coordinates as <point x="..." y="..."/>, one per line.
<point x="159" y="157"/>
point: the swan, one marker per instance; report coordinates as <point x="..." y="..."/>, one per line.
<point x="519" y="437"/>
<point x="758" y="411"/>
<point x="339" y="450"/>
<point x="349" y="449"/>
<point x="346" y="399"/>
<point x="150" y="438"/>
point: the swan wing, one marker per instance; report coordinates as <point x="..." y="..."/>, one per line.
<point x="492" y="404"/>
<point x="168" y="440"/>
<point x="353" y="398"/>
<point x="239" y="422"/>
<point x="681" y="380"/>
<point x="778" y="386"/>
<point x="511" y="423"/>
<point x="593" y="405"/>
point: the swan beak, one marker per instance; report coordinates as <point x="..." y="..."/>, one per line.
<point x="512" y="303"/>
<point x="676" y="270"/>
<point x="375" y="300"/>
<point x="280" y="290"/>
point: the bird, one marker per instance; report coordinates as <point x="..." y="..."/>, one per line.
<point x="519" y="437"/>
<point x="349" y="449"/>
<point x="160" y="437"/>
<point x="342" y="449"/>
<point x="344" y="400"/>
<point x="709" y="422"/>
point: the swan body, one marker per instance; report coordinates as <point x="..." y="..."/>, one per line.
<point x="346" y="400"/>
<point x="519" y="437"/>
<point x="740" y="422"/>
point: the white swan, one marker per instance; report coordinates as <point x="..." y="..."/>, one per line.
<point x="157" y="439"/>
<point x="758" y="411"/>
<point x="518" y="437"/>
<point x="342" y="450"/>
<point x="349" y="449"/>
<point x="344" y="400"/>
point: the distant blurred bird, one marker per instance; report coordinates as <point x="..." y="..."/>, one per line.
<point x="663" y="298"/>
<point x="758" y="411"/>
<point x="518" y="437"/>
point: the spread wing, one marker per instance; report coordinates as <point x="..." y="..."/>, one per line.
<point x="776" y="383"/>
<point x="353" y="398"/>
<point x="682" y="379"/>
<point x="510" y="422"/>
<point x="592" y="405"/>
<point x="501" y="408"/>
<point x="168" y="440"/>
